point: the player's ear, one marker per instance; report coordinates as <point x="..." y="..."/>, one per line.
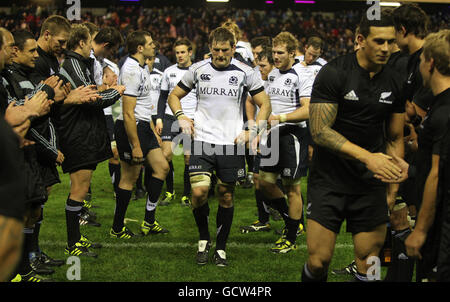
<point x="47" y="35"/>
<point x="292" y="54"/>
<point x="403" y="31"/>
<point x="360" y="39"/>
<point x="431" y="65"/>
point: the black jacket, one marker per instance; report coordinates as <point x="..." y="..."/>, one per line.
<point x="33" y="186"/>
<point x="46" y="66"/>
<point x="82" y="129"/>
<point x="42" y="130"/>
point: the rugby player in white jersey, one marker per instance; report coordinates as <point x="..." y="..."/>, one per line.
<point x="222" y="84"/>
<point x="265" y="66"/>
<point x="289" y="89"/>
<point x="242" y="48"/>
<point x="165" y="121"/>
<point x="136" y="140"/>
<point x="313" y="51"/>
<point x="105" y="43"/>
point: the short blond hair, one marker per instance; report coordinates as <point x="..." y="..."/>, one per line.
<point x="437" y="47"/>
<point x="55" y="24"/>
<point x="288" y="39"/>
<point x="234" y="28"/>
<point x="78" y="32"/>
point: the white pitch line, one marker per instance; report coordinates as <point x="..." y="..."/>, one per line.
<point x="182" y="245"/>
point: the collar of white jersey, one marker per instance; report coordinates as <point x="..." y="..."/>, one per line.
<point x="231" y="66"/>
<point x="133" y="58"/>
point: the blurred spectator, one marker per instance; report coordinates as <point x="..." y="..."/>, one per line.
<point x="170" y="23"/>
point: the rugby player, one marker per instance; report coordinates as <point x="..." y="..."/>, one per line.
<point x="169" y="132"/>
<point x="289" y="89"/>
<point x="136" y="138"/>
<point x="347" y="122"/>
<point x="218" y="128"/>
<point x="83" y="135"/>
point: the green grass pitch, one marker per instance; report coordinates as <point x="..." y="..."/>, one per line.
<point x="171" y="257"/>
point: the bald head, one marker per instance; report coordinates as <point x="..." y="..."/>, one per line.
<point x="6" y="47"/>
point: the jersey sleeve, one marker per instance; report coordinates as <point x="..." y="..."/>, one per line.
<point x="305" y="83"/>
<point x="439" y="124"/>
<point x="165" y="81"/>
<point x="326" y="86"/>
<point x="399" y="94"/>
<point x="130" y="78"/>
<point x="187" y="82"/>
<point x="255" y="83"/>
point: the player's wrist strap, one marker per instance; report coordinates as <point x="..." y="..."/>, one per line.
<point x="179" y="113"/>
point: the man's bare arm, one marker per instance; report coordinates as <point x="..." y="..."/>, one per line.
<point x="395" y="147"/>
<point x="426" y="216"/>
<point x="250" y="110"/>
<point x="299" y="115"/>
<point x="265" y="108"/>
<point x="322" y="117"/>
<point x="186" y="124"/>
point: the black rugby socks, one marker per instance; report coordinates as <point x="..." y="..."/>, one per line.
<point x="73" y="210"/>
<point x="201" y="216"/>
<point x="122" y="200"/>
<point x="224" y="220"/>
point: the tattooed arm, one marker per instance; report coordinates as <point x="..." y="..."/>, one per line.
<point x="322" y="117"/>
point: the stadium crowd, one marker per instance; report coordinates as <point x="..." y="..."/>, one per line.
<point x="362" y="104"/>
<point x="169" y="23"/>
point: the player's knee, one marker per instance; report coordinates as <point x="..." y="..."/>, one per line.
<point x="226" y="194"/>
<point x="293" y="191"/>
<point x="318" y="264"/>
<point x="164" y="167"/>
<point x="200" y="193"/>
<point x="161" y="169"/>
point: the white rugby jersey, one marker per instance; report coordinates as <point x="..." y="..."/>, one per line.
<point x="155" y="88"/>
<point x="256" y="69"/>
<point x="285" y="88"/>
<point x="98" y="69"/>
<point x="136" y="79"/>
<point x="116" y="70"/>
<point x="319" y="61"/>
<point x="314" y="68"/>
<point x="221" y="94"/>
<point x="98" y="76"/>
<point x="245" y="51"/>
<point x="172" y="76"/>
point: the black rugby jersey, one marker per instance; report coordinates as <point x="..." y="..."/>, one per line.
<point x="364" y="104"/>
<point x="414" y="90"/>
<point x="430" y="137"/>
